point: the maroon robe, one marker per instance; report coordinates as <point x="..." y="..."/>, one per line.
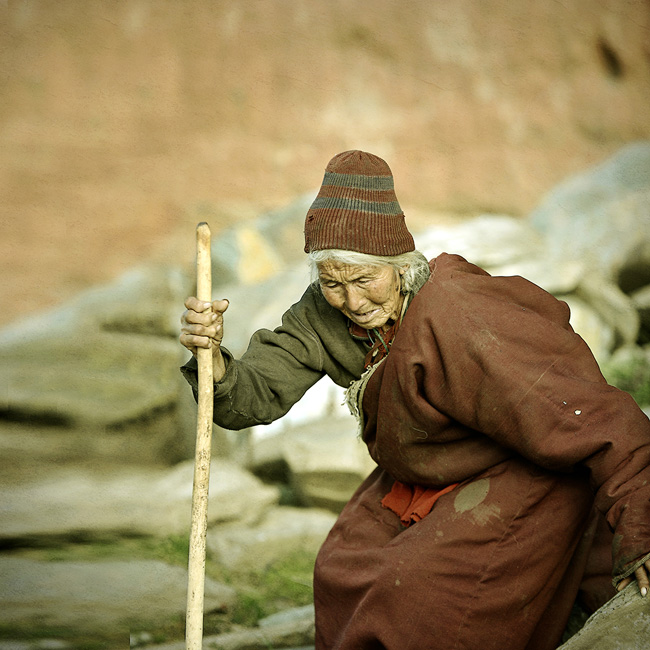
<point x="486" y="385"/>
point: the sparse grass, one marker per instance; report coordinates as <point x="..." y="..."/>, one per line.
<point x="629" y="370"/>
<point x="281" y="585"/>
<point x="173" y="549"/>
<point x="74" y="640"/>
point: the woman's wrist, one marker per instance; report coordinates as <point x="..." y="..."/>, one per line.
<point x="218" y="366"/>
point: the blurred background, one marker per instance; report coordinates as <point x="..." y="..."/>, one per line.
<point x="123" y="123"/>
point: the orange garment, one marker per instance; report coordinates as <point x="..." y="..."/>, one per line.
<point x="412" y="503"/>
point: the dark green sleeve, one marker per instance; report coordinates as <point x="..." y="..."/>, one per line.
<point x="279" y="366"/>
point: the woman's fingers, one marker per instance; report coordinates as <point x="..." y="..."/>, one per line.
<point x="641" y="575"/>
<point x="642" y="578"/>
<point x="194" y="304"/>
<point x="623" y="583"/>
<point x="202" y="324"/>
<point x="203" y="317"/>
<point x="203" y="313"/>
<point x="220" y="306"/>
<point x="192" y="342"/>
<point x="202" y="332"/>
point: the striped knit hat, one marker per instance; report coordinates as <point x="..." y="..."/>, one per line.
<point x="356" y="209"/>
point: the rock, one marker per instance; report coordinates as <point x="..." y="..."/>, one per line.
<point x="327" y="461"/>
<point x="489" y="240"/>
<point x="601" y="215"/>
<point x="305" y="613"/>
<point x="292" y="629"/>
<point x="641" y="301"/>
<point x="102" y="365"/>
<point x="109" y="380"/>
<point x="615" y="308"/>
<point x="128" y="500"/>
<point x="599" y="335"/>
<point x="623" y="623"/>
<point x="137" y="639"/>
<point x="260" y="305"/>
<point x="280" y="532"/>
<point x="266" y="443"/>
<point x="253" y="252"/>
<point x="144" y="300"/>
<point x="601" y="218"/>
<point x="35" y="644"/>
<point x="242" y="256"/>
<point x="506" y="246"/>
<point x="559" y="277"/>
<point x="641" y="298"/>
<point x="293" y="633"/>
<point x="97" y="596"/>
<point x="629" y="369"/>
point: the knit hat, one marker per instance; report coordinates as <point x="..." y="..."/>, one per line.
<point x="356" y="209"/>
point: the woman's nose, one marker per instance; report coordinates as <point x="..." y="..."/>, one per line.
<point x="353" y="298"/>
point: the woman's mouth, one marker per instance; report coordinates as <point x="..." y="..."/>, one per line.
<point x="365" y="317"/>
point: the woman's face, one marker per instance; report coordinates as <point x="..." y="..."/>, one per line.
<point x="368" y="295"/>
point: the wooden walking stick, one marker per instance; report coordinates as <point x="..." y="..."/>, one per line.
<point x="199" y="525"/>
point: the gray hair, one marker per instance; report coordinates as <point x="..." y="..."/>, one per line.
<point x="414" y="264"/>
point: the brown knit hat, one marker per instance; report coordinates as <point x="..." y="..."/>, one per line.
<point x="356" y="209"/>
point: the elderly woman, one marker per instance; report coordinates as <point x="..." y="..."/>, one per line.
<point x="496" y="438"/>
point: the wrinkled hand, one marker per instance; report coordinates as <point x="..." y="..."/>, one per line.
<point x="202" y="327"/>
<point x="641" y="576"/>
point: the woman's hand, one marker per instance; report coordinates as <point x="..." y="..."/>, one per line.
<point x="641" y="576"/>
<point x="202" y="327"/>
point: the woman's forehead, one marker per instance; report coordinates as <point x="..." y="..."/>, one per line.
<point x="340" y="269"/>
